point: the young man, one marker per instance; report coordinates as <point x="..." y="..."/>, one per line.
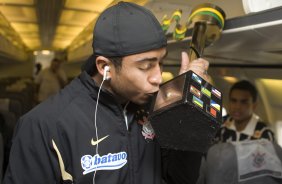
<point x="90" y="131"/>
<point x="242" y="123"/>
<point x="242" y="154"/>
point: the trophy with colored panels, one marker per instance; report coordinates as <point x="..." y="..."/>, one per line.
<point x="187" y="110"/>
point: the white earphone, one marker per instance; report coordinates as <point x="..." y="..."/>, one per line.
<point x="105" y="75"/>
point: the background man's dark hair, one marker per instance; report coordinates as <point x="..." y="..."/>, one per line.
<point x="246" y="86"/>
<point x="56" y="60"/>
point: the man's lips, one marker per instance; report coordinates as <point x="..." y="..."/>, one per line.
<point x="150" y="94"/>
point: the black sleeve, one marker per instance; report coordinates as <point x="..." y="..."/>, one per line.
<point x="32" y="158"/>
<point x="181" y="166"/>
<point x="203" y="172"/>
<point x="263" y="131"/>
<point x="268" y="134"/>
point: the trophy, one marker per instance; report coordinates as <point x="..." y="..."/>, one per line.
<point x="187" y="111"/>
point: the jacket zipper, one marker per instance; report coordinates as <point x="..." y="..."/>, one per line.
<point x="130" y="159"/>
<point x="125" y="116"/>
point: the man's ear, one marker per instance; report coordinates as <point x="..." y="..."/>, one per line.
<point x="101" y="62"/>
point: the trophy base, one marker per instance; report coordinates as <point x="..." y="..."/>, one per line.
<point x="184" y="128"/>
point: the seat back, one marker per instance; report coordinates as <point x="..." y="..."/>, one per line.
<point x="226" y="163"/>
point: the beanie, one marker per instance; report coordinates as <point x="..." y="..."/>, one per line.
<point x="125" y="29"/>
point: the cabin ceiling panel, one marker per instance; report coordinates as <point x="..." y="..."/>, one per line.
<point x="23" y="27"/>
<point x="60" y="44"/>
<point x="34" y="41"/>
<point x="22" y="18"/>
<point x="64" y="35"/>
<point x="68" y="30"/>
<point x="95" y="6"/>
<point x="3" y="22"/>
<point x="31" y="35"/>
<point x="76" y="18"/>
<point x="17" y="2"/>
<point x="19" y="14"/>
<point x="68" y="24"/>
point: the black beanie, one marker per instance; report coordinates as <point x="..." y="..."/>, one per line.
<point x="125" y="29"/>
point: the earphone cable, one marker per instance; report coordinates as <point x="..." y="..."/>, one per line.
<point x="95" y="124"/>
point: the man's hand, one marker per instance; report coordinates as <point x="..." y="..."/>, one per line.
<point x="199" y="66"/>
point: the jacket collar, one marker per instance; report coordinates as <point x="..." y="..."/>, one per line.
<point x="250" y="128"/>
<point x="89" y="83"/>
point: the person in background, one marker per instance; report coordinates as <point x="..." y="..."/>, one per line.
<point x="245" y="149"/>
<point x="242" y="123"/>
<point x="37" y="68"/>
<point x="50" y="80"/>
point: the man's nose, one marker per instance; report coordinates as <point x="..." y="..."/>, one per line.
<point x="156" y="77"/>
<point x="237" y="105"/>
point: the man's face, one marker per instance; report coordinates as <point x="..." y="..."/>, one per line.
<point x="55" y="65"/>
<point x="139" y="76"/>
<point x="241" y="105"/>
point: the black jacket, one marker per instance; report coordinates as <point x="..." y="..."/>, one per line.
<point x="55" y="142"/>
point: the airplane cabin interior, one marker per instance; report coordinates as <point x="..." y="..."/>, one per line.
<point x="37" y="31"/>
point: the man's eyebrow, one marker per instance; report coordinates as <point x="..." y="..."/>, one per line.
<point x="244" y="100"/>
<point x="148" y="59"/>
<point x="240" y="100"/>
<point x="153" y="58"/>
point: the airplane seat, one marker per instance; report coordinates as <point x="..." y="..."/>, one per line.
<point x="21" y="90"/>
<point x="11" y="105"/>
<point x="10" y="121"/>
<point x="7" y="126"/>
<point x="252" y="162"/>
<point x="16" y="107"/>
<point x="17" y="91"/>
<point x="29" y="90"/>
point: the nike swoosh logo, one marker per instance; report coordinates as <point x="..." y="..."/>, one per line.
<point x="99" y="140"/>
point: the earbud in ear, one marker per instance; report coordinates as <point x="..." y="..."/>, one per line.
<point x="105" y="75"/>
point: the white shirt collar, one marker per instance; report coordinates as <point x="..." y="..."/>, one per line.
<point x="250" y="128"/>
